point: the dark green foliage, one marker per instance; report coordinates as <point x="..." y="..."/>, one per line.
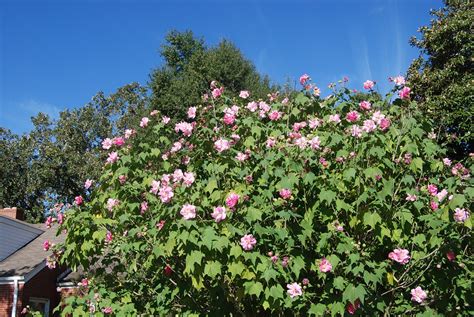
<point x="51" y="163"/>
<point x="442" y="77"/>
<point x="190" y="67"/>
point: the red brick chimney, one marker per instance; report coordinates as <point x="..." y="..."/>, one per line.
<point x="15" y="213"/>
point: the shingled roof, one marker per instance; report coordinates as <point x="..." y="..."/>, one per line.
<point x="30" y="256"/>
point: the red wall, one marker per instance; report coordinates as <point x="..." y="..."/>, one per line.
<point x="6" y="299"/>
<point x="43" y="285"/>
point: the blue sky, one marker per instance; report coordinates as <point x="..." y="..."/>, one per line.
<point x="57" y="54"/>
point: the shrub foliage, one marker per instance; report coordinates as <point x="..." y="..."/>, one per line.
<point x="306" y="206"/>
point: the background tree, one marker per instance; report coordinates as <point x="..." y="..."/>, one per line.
<point x="189" y="68"/>
<point x="51" y="163"/>
<point x="442" y="77"/>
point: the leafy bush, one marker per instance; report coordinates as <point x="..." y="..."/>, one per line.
<point x="307" y="206"/>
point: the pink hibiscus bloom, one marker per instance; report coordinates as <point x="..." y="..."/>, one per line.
<point x="188" y="211"/>
<point x="219" y="214"/>
<point x="401" y="256"/>
<point x="294" y="290"/>
<point x="325" y="266"/>
<point x="418" y="295"/>
<point x="248" y="242"/>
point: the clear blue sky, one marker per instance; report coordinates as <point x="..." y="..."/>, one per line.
<point x="57" y="54"/>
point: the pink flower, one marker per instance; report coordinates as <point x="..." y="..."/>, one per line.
<point x="334" y="118"/>
<point x="304" y="78"/>
<point x="377" y="116"/>
<point x="418" y="295"/>
<point x="188" y="212"/>
<point x="316" y="91"/>
<point x="60" y="218"/>
<point x="176" y="147"/>
<point x="217" y="92"/>
<point x="460" y="214"/>
<point x="241" y="157"/>
<point x="166" y="193"/>
<point x="305" y="281"/>
<point x="248" y="242"/>
<point x="314" y="123"/>
<point x="352" y="116"/>
<point x="369" y="126"/>
<point x="111" y="203"/>
<point x="49" y="221"/>
<point x="315" y="143"/>
<point x="78" y="200"/>
<point x="368" y="84"/>
<point x="178" y="175"/>
<point x="447" y="161"/>
<point x="143" y="207"/>
<point x="46" y="245"/>
<point x="232" y="200"/>
<point x="107" y="144"/>
<point x="188" y="179"/>
<point x="365" y="105"/>
<point x="129" y="133"/>
<point x="401" y="256"/>
<point x="144" y="122"/>
<point x="119" y="141"/>
<point x="270" y="142"/>
<point x="50" y="263"/>
<point x="441" y="195"/>
<point x="185" y="127"/>
<point x="433" y="205"/>
<point x="274" y="115"/>
<point x="107" y="310"/>
<point x="302" y="143"/>
<point x="325" y="266"/>
<point x="294" y="290"/>
<point x="252" y="106"/>
<point x="113" y="157"/>
<point x="298" y="126"/>
<point x="108" y="237"/>
<point x="221" y="145"/>
<point x="399" y="80"/>
<point x="411" y="197"/>
<point x="122" y="179"/>
<point x="192" y="112"/>
<point x="229" y="118"/>
<point x="165" y="119"/>
<point x="244" y="94"/>
<point x="88" y="184"/>
<point x="84" y="282"/>
<point x="356" y="131"/>
<point x="432" y="189"/>
<point x="219" y="213"/>
<point x="404" y="93"/>
<point x="285" y="193"/>
<point x="384" y="124"/>
<point x="451" y="256"/>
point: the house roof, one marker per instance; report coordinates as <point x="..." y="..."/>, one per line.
<point x="30" y="256"/>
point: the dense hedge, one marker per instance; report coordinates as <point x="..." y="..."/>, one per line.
<point x="306" y="206"/>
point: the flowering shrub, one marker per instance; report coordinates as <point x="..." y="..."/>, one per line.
<point x="299" y="206"/>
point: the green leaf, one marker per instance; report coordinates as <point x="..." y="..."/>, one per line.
<point x="236" y="269"/>
<point x="253" y="288"/>
<point x="195" y="257"/>
<point x="212" y="269"/>
<point x="317" y="310"/>
<point x="371" y="219"/>
<point x="327" y="195"/>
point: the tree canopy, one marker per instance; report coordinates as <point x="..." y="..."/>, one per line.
<point x="442" y="77"/>
<point x="190" y="66"/>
